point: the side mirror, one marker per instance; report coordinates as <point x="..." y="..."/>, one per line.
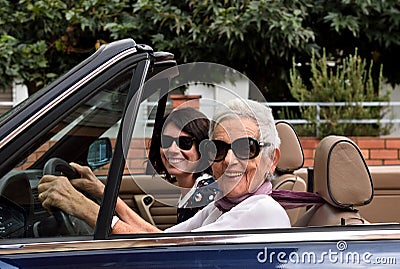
<point x="100" y="153"/>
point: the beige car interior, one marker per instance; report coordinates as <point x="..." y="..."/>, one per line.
<point x="384" y="208"/>
<point x="152" y="197"/>
<point x="292" y="159"/>
<point x="342" y="178"/>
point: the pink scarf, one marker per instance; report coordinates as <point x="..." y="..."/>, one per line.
<point x="225" y="204"/>
<point x="287" y="199"/>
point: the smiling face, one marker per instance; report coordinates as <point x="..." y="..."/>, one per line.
<point x="238" y="177"/>
<point x="178" y="162"/>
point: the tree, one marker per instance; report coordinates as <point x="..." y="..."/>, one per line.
<point x="41" y="39"/>
<point x="258" y="38"/>
<point x="371" y="26"/>
<point x="349" y="82"/>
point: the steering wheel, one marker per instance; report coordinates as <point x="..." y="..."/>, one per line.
<point x="65" y="222"/>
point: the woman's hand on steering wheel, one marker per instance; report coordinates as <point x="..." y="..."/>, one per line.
<point x="59" y="196"/>
<point x="87" y="182"/>
<point x="58" y="192"/>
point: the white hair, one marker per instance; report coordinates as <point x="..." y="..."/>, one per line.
<point x="261" y="114"/>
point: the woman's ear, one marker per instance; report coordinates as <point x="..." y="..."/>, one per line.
<point x="277" y="156"/>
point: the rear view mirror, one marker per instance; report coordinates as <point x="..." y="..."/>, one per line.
<point x="100" y="152"/>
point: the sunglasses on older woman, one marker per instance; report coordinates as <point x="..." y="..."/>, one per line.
<point x="245" y="148"/>
<point x="183" y="142"/>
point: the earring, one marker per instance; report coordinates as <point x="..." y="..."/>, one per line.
<point x="269" y="177"/>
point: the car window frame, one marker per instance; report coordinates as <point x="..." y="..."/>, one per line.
<point x="103" y="225"/>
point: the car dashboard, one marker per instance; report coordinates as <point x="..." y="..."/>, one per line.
<point x="21" y="210"/>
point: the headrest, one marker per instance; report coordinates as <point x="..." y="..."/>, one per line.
<point x="341" y="175"/>
<point x="292" y="156"/>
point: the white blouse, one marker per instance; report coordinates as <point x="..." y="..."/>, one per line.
<point x="256" y="212"/>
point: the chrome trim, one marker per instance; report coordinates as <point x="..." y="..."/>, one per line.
<point x="59" y="98"/>
<point x="168" y="241"/>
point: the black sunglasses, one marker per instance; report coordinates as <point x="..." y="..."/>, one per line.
<point x="245" y="148"/>
<point x="183" y="142"/>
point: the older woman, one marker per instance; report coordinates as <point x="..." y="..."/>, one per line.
<point x="243" y="151"/>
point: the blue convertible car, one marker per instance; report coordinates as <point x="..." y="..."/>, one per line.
<point x="102" y="114"/>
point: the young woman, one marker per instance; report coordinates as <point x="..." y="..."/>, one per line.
<point x="174" y="153"/>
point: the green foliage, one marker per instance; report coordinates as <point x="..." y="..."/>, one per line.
<point x="246" y="35"/>
<point x="23" y="61"/>
<point x="378" y="21"/>
<point x="42" y="39"/>
<point x="351" y="83"/>
<point x="369" y="25"/>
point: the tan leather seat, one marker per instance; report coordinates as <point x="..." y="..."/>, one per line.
<point x="343" y="180"/>
<point x="152" y="197"/>
<point x="292" y="159"/>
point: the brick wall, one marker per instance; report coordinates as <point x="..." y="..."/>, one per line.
<point x="136" y="164"/>
<point x="376" y="150"/>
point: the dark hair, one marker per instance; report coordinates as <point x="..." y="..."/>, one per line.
<point x="187" y="119"/>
